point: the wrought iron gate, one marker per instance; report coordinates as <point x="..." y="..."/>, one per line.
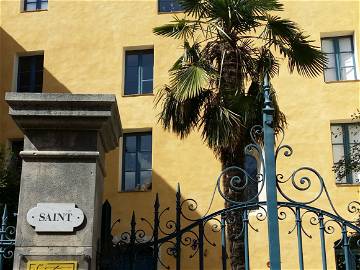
<point x="162" y="242"/>
<point x="7" y="241"/>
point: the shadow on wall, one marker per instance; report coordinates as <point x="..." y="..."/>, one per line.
<point x="9" y="50"/>
<point x="142" y="204"/>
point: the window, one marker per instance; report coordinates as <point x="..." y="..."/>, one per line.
<point x="169" y="6"/>
<point x="30" y="74"/>
<point x="139" y="67"/>
<point x="345" y="142"/>
<point x="137" y="161"/>
<point x="31" y="5"/>
<point x="341" y="60"/>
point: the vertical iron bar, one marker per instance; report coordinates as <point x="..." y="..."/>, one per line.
<point x="132" y="240"/>
<point x="346" y="247"/>
<point x="178" y="228"/>
<point x="246" y="238"/>
<point x="299" y="238"/>
<point x="201" y="245"/>
<point x="2" y="231"/>
<point x="156" y="231"/>
<point x="223" y="242"/>
<point x="322" y="241"/>
<point x="270" y="178"/>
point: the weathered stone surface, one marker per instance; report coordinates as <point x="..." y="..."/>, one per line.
<point x="65" y="139"/>
<point x="67" y="111"/>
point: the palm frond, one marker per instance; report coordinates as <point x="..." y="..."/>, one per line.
<point x="292" y="43"/>
<point x="178" y="28"/>
<point x="194" y="8"/>
<point x="261" y="6"/>
<point x="189" y="81"/>
<point x="220" y="125"/>
<point x="266" y="62"/>
<point x="278" y="29"/>
<point x="177" y="116"/>
<point x="307" y="59"/>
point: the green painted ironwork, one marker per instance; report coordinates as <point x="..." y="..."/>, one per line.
<point x="7" y="239"/>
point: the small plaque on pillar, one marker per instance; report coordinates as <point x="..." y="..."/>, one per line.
<point x="55" y="217"/>
<point x="47" y="265"/>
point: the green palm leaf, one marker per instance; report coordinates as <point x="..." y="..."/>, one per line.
<point x="294" y="45"/>
<point x="188" y="82"/>
<point x="178" y="28"/>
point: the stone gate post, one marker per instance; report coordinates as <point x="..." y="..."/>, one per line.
<point x="65" y="139"/>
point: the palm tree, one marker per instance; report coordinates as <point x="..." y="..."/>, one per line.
<point x="216" y="84"/>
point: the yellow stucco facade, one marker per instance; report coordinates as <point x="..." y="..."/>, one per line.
<point x="84" y="43"/>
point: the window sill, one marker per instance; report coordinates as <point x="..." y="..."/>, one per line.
<point x="341" y="81"/>
<point x="31" y="11"/>
<point x="347" y="184"/>
<point x="138" y="95"/>
<point x="170" y="12"/>
<point x="134" y="191"/>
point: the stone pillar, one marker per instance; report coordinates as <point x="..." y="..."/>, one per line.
<point x="65" y="139"/>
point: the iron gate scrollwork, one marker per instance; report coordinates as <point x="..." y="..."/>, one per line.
<point x="171" y="239"/>
<point x="7" y="240"/>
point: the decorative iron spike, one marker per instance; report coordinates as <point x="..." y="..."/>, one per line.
<point x="157" y="202"/>
<point x="133" y="222"/>
<point x="178" y="192"/>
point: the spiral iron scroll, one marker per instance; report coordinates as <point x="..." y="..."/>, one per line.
<point x="305" y="179"/>
<point x="239" y="179"/>
<point x="7" y="242"/>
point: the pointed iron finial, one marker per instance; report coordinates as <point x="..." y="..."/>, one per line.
<point x="157" y="203"/>
<point x="133" y="219"/>
<point x="178" y="192"/>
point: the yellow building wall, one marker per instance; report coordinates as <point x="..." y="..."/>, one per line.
<point x="84" y="43"/>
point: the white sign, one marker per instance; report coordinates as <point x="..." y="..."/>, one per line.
<point x="55" y="217"/>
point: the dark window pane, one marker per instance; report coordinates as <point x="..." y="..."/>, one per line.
<point x="169" y="6"/>
<point x="25" y="63"/>
<point x="148" y="73"/>
<point x="30" y="73"/>
<point x="35" y="5"/>
<point x="132" y="74"/>
<point x="132" y="60"/>
<point x="145" y="177"/>
<point x="129" y="180"/>
<point x="145" y="142"/>
<point x="132" y="80"/>
<point x="24" y="80"/>
<point x="144" y="159"/>
<point x="130" y="162"/>
<point x="148" y="60"/>
<point x="139" y="67"/>
<point x="137" y="161"/>
<point x="130" y="143"/>
<point x="147" y="87"/>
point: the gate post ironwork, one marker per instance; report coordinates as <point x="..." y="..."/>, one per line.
<point x="2" y="236"/>
<point x="270" y="179"/>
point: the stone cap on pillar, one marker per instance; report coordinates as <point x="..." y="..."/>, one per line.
<point x="54" y="111"/>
